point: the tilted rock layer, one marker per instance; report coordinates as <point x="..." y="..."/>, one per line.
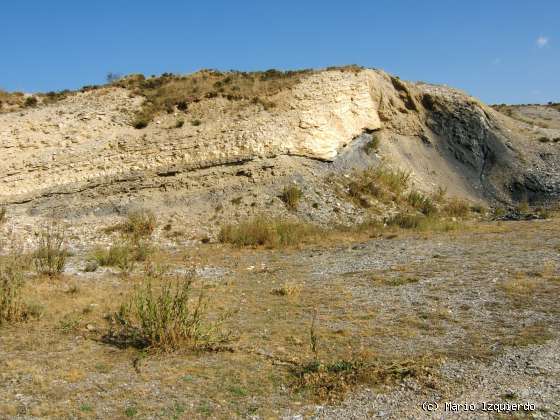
<point x="442" y="135"/>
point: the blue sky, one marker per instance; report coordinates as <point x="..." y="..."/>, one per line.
<point x="497" y="50"/>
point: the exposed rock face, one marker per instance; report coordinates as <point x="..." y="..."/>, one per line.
<point x="442" y="135"/>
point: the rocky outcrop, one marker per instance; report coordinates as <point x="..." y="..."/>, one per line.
<point x="86" y="140"/>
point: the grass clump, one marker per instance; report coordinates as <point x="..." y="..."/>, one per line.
<point x="289" y="289"/>
<point x="3" y="216"/>
<point x="166" y="315"/>
<point x="291" y="196"/>
<point x="262" y="231"/>
<point x="456" y="208"/>
<point x="12" y="307"/>
<point x="123" y="255"/>
<point x="381" y="183"/>
<point x="50" y="255"/>
<point x="138" y="224"/>
<point x="421" y="202"/>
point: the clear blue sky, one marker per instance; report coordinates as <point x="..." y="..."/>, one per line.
<point x="497" y="50"/>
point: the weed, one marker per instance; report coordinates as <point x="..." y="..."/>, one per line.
<point x="50" y="255"/>
<point x="291" y="196"/>
<point x="86" y="408"/>
<point x="166" y="316"/>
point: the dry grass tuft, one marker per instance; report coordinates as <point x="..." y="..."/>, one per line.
<point x="291" y="196"/>
<point x="3" y="216"/>
<point x="50" y="255"/>
<point x="262" y="231"/>
<point x="138" y="224"/>
<point x="12" y="307"/>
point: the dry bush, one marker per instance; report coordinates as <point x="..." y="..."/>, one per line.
<point x="291" y="196"/>
<point x="50" y="254"/>
<point x="165" y="315"/>
<point x="267" y="232"/>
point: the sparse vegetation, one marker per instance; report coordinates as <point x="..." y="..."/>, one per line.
<point x="291" y="196"/>
<point x="266" y="232"/>
<point x="50" y="255"/>
<point x="166" y="315"/>
<point x="169" y="91"/>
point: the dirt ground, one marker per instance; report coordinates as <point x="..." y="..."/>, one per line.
<point x="465" y="316"/>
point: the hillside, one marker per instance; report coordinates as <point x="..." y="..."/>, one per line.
<point x="82" y="154"/>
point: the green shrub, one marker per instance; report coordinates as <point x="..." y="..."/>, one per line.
<point x="166" y="314"/>
<point x="267" y="232"/>
<point x="291" y="196"/>
<point x="179" y="123"/>
<point x="50" y="254"/>
<point x="196" y="123"/>
<point x="372" y="145"/>
<point x="30" y="102"/>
